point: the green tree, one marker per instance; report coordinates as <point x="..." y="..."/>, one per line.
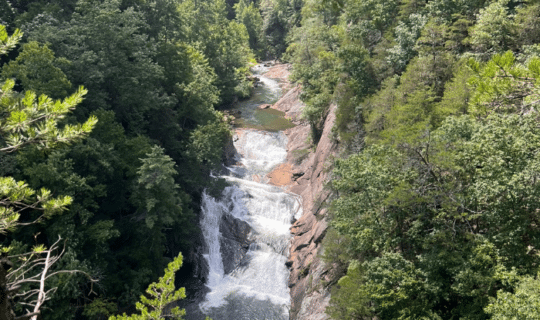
<point x="406" y="35"/>
<point x="494" y="29"/>
<point x="207" y="143"/>
<point x="156" y="194"/>
<point x="275" y="27"/>
<point x="160" y="295"/>
<point x="249" y="16"/>
<point x="458" y="208"/>
<point x="36" y="68"/>
<point x="526" y="24"/>
<point x="109" y="54"/>
<point x="316" y="65"/>
<point x="223" y="42"/>
<point x="522" y="304"/>
<point x="350" y="301"/>
<point x="8" y="42"/>
<point x="503" y="85"/>
<point x="27" y="120"/>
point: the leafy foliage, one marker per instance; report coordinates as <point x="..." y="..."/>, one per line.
<point x="35" y="67"/>
<point x="155" y="72"/>
<point x="493" y="31"/>
<point x="250" y="17"/>
<point x="522" y="304"/>
<point x="160" y="294"/>
<point x="450" y="207"/>
<point x="8" y="42"/>
<point x="503" y="85"/>
<point x="28" y="120"/>
<point x="434" y="216"/>
<point x="33" y="120"/>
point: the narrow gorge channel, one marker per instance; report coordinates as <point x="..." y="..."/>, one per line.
<point x="247" y="228"/>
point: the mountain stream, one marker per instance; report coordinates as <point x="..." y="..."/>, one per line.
<point x="246" y="230"/>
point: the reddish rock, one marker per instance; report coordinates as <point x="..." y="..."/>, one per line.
<point x="281" y="176"/>
<point x="292" y="106"/>
<point x="309" y="297"/>
<point x="309" y="171"/>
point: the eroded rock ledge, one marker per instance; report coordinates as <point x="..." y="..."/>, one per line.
<point x="308" y="168"/>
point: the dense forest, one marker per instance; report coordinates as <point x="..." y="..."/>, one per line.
<point x="436" y="206"/>
<point x="109" y="128"/>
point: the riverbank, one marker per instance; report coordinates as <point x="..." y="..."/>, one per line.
<point x="305" y="173"/>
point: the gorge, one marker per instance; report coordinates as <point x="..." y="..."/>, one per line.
<point x="261" y="242"/>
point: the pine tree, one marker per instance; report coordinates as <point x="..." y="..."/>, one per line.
<point x="31" y="120"/>
<point x="160" y="294"/>
<point x="26" y="119"/>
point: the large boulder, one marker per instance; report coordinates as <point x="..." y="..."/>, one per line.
<point x="234" y="241"/>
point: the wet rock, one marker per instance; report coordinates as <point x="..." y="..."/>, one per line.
<point x="229" y="153"/>
<point x="291" y="104"/>
<point x="293" y="220"/>
<point x="234" y="241"/>
<point x="297" y="175"/>
<point x="264" y="106"/>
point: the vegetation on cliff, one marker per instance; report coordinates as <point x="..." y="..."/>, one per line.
<point x="436" y="210"/>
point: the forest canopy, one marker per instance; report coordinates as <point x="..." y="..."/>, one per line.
<point x="435" y="213"/>
<point x="143" y="82"/>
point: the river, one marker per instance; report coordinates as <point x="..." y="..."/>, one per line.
<point x="251" y="281"/>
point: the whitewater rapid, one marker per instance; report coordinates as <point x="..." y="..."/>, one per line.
<point x="257" y="286"/>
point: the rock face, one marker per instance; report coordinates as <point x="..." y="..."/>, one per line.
<point x="228" y="157"/>
<point x="310" y="170"/>
<point x="234" y="241"/>
<point x="308" y="272"/>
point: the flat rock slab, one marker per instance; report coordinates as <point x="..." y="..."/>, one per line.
<point x="281" y="176"/>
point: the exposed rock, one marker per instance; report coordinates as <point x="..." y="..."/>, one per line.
<point x="281" y="176"/>
<point x="234" y="241"/>
<point x="265" y="106"/>
<point x="314" y="303"/>
<point x="280" y="72"/>
<point x="310" y="170"/>
<point x="229" y="153"/>
<point x="292" y="106"/>
<point x="297" y="175"/>
<point x="309" y="296"/>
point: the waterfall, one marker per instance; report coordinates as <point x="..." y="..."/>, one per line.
<point x="256" y="287"/>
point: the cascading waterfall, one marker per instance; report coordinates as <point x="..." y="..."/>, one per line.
<point x="257" y="286"/>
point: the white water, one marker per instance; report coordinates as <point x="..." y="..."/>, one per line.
<point x="257" y="287"/>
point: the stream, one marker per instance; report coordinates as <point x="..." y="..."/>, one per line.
<point x="246" y="229"/>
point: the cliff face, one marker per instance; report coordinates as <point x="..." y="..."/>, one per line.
<point x="308" y="168"/>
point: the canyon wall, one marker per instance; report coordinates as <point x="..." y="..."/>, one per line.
<point x="306" y="172"/>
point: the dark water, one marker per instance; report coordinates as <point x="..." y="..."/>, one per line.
<point x="268" y="91"/>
